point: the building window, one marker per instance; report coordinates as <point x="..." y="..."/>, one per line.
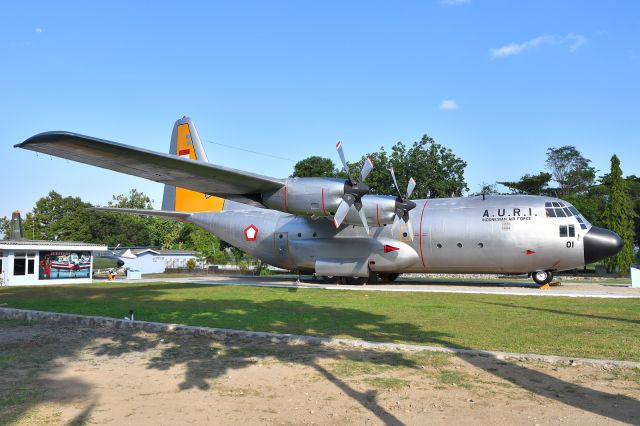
<point x="19" y="266"/>
<point x="24" y="263"/>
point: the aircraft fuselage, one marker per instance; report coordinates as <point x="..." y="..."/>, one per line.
<point x="508" y="234"/>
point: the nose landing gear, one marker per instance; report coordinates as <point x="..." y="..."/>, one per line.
<point x="542" y="277"/>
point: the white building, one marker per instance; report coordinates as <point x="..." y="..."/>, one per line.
<point x="153" y="261"/>
<point x="27" y="262"/>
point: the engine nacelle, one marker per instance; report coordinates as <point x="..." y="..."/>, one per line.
<point x="316" y="197"/>
<point x="320" y="197"/>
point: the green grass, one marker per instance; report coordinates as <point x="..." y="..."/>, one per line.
<point x="580" y="327"/>
<point x="455" y="378"/>
<point x="391" y="383"/>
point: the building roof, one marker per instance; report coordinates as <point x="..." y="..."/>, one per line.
<point x="50" y="245"/>
<point x="158" y="252"/>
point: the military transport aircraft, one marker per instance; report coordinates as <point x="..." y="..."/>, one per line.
<point x="335" y="228"/>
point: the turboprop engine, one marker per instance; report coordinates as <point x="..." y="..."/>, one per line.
<point x="334" y="198"/>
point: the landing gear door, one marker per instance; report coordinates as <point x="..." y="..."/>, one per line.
<point x="281" y="245"/>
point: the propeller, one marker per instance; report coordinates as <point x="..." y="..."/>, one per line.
<point x="353" y="191"/>
<point x="403" y="204"/>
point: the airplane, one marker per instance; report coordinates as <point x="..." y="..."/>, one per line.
<point x="335" y="228"/>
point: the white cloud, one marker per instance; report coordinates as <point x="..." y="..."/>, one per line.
<point x="454" y="2"/>
<point x="574" y="41"/>
<point x="448" y="105"/>
<point x="38" y="30"/>
<point x="516" y="48"/>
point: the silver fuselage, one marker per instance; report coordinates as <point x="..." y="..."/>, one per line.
<point x="505" y="234"/>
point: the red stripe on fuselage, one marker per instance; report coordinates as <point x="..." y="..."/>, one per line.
<point x="323" y="210"/>
<point x="421" y="215"/>
<point x="285" y="198"/>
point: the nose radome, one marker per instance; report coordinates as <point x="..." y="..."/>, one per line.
<point x="600" y="243"/>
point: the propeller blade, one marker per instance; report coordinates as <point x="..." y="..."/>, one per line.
<point x="394" y="227"/>
<point x="366" y="169"/>
<point x="409" y="229"/>
<point x="363" y="217"/>
<point x="411" y="186"/>
<point x="395" y="182"/>
<point x="341" y="213"/>
<point x="344" y="162"/>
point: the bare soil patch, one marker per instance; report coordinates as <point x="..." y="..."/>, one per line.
<point x="52" y="374"/>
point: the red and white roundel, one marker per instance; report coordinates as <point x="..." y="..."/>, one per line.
<point x="251" y="232"/>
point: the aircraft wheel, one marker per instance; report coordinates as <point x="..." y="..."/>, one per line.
<point x="355" y="280"/>
<point x="388" y="278"/>
<point x="330" y="279"/>
<point x="542" y="277"/>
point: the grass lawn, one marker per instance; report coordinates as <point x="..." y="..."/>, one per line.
<point x="580" y="327"/>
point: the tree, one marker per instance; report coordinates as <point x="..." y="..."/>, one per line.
<point x="134" y="200"/>
<point x="314" y="166"/>
<point x="5" y="225"/>
<point x="437" y="170"/>
<point x="570" y="170"/>
<point x="59" y="218"/>
<point x="618" y="215"/>
<point x="633" y="183"/>
<point x="530" y="184"/>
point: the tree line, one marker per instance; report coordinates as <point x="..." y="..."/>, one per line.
<point x="611" y="201"/>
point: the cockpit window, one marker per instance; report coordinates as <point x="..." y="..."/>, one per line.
<point x="559" y="212"/>
<point x="550" y="212"/>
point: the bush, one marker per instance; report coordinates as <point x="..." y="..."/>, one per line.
<point x="244" y="267"/>
<point x="191" y="264"/>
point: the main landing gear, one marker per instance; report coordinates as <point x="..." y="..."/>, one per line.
<point x="542" y="277"/>
<point x="373" y="278"/>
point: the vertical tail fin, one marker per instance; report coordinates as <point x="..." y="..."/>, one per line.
<point x="185" y="143"/>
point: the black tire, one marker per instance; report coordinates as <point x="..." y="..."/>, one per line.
<point x="388" y="278"/>
<point x="330" y="279"/>
<point x="542" y="277"/>
<point x="355" y="280"/>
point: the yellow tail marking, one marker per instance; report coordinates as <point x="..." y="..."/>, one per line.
<point x="187" y="200"/>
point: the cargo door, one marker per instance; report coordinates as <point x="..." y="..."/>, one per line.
<point x="281" y="245"/>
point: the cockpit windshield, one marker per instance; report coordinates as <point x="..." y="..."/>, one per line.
<point x="564" y="209"/>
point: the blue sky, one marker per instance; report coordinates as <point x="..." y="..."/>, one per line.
<point x="498" y="82"/>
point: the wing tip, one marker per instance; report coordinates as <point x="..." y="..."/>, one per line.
<point x="44" y="137"/>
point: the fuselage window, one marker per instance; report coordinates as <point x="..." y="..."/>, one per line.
<point x="572" y="231"/>
<point x="563" y="230"/>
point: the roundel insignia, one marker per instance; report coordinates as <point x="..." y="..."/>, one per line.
<point x="251" y="232"/>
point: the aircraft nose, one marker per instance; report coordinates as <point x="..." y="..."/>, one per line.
<point x="600" y="243"/>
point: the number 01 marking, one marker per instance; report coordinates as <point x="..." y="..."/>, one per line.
<point x="569" y="244"/>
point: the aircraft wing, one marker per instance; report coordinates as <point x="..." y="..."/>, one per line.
<point x="164" y="168"/>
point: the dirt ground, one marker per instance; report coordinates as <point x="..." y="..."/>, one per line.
<point x="52" y="374"/>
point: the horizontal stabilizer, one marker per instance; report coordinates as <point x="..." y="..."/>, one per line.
<point x="169" y="169"/>
<point x="144" y="212"/>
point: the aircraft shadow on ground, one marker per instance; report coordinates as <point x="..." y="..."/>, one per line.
<point x="204" y="364"/>
<point x="569" y="313"/>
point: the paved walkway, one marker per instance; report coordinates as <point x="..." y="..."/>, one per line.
<point x="498" y="287"/>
